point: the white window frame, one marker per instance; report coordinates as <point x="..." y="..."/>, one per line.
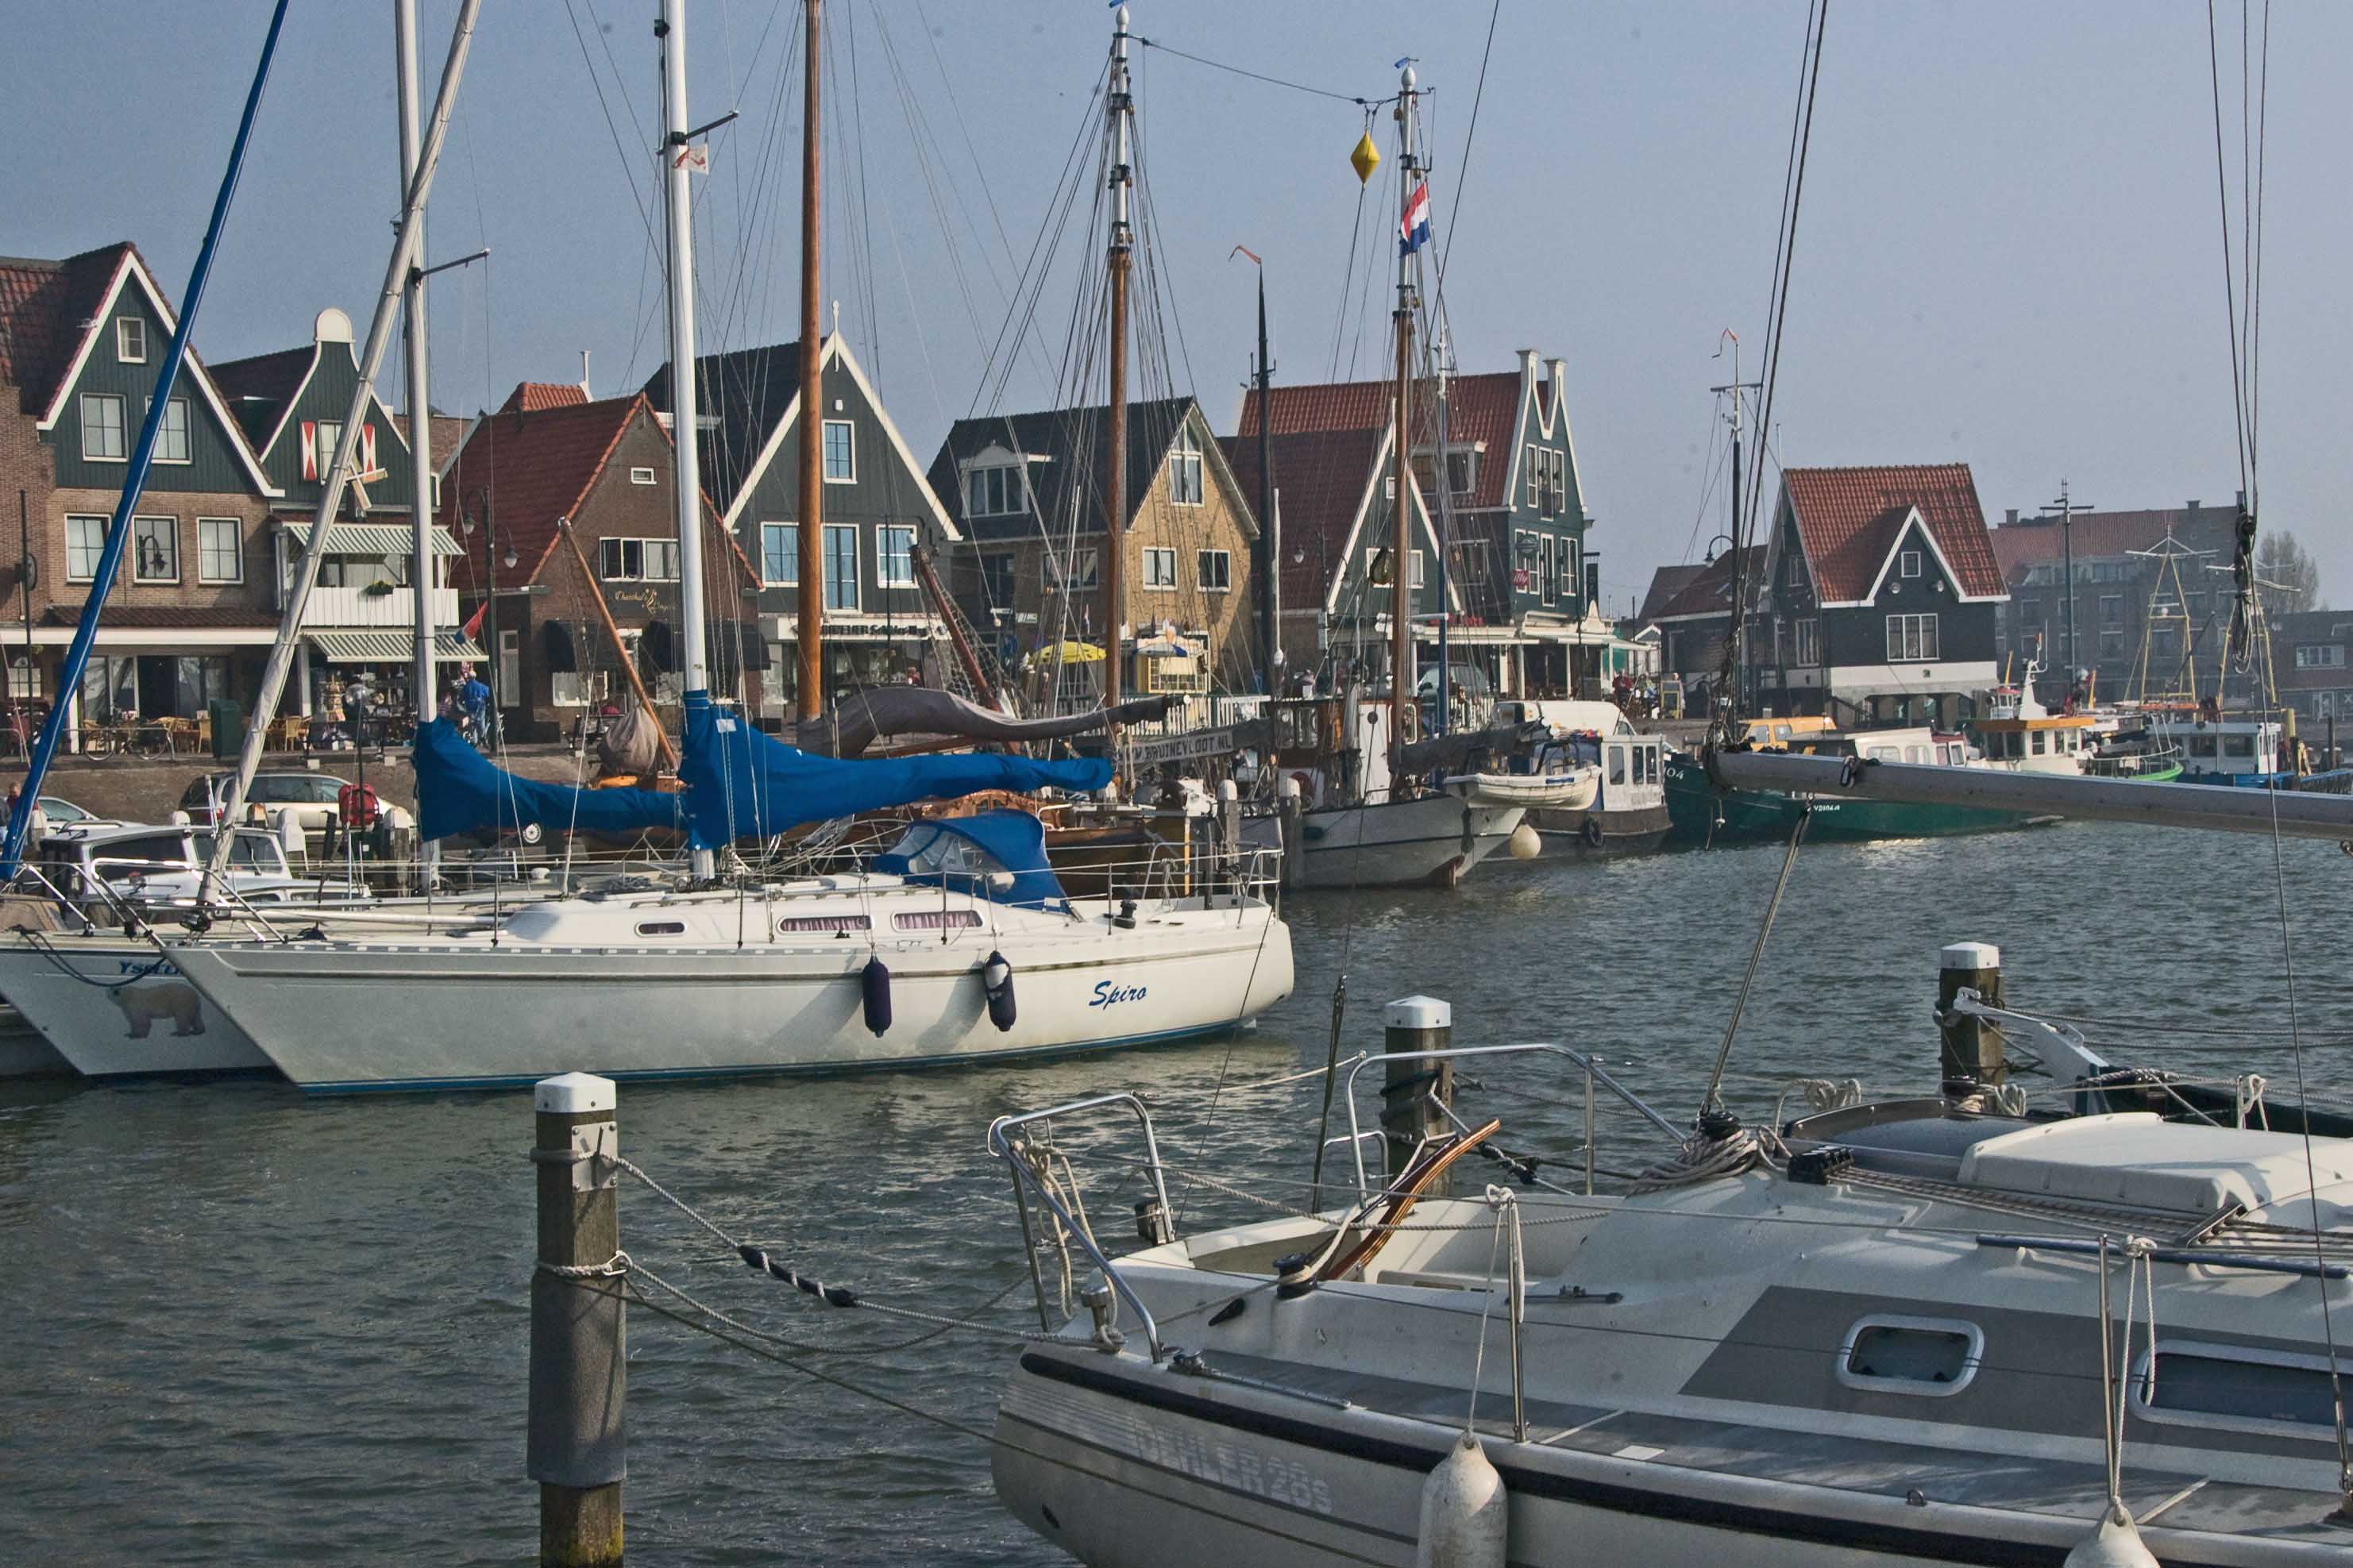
<point x="1225" y="561"/>
<point x="236" y="526"/>
<point x="1185" y="472"/>
<point x="902" y="562"/>
<point x="121" y="350"/>
<point x="1414" y="564"/>
<point x="856" y="566"/>
<point x="1013" y="495"/>
<point x="90" y="400"/>
<point x="792" y="535"/>
<point x="1974" y="1359"/>
<point x="1914" y="631"/>
<point x="1159" y="569"/>
<point x="1908" y="565"/>
<point x="641" y="477"/>
<point x="24" y="679"/>
<point x="578" y="687"/>
<point x="656" y="559"/>
<point x="848" y="429"/>
<point x="139" y="572"/>
<point x="2208" y="1350"/>
<point x="326" y="434"/>
<point x="174" y="410"/>
<point x="94" y="551"/>
<point x="1807" y="637"/>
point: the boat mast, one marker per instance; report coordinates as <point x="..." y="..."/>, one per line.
<point x="685" y="420"/>
<point x="1121" y="107"/>
<point x="422" y="677"/>
<point x="1401" y="672"/>
<point x="812" y="507"/>
<point x="1270" y="524"/>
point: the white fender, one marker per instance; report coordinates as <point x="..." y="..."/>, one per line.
<point x="1464" y="1512"/>
<point x="2116" y="1545"/>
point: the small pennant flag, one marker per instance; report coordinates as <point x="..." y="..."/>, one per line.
<point x="695" y="158"/>
<point x="474" y="622"/>
<point x="1413" y="229"/>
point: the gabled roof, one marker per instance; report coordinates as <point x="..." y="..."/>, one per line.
<point x="1482" y="412"/>
<point x="536" y="468"/>
<point x="744" y="396"/>
<point x="1073" y="444"/>
<point x="1665" y="584"/>
<point x="51" y="313"/>
<point x="531" y="396"/>
<point x="261" y="388"/>
<point x="1849" y="521"/>
<point x="1322" y="480"/>
<point x="1707" y="590"/>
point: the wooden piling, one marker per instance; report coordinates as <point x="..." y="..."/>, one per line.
<point x="1970" y="1048"/>
<point x="577" y="1447"/>
<point x="1415" y="1023"/>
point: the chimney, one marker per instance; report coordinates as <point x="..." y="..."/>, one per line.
<point x="2010" y="518"/>
<point x="2193" y="503"/>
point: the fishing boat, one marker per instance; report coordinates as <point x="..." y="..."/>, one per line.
<point x="1706" y="814"/>
<point x="2018" y="732"/>
<point x="2090" y="1324"/>
<point x="1628" y="813"/>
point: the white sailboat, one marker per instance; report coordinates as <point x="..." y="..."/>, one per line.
<point x="961" y="947"/>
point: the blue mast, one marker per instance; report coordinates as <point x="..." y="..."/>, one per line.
<point x="110" y="560"/>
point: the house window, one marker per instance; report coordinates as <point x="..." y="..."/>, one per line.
<point x="841" y="566"/>
<point x="1547" y="553"/>
<point x="102" y="427"/>
<point x="1809" y="640"/>
<point x="171" y="435"/>
<point x="2112" y="609"/>
<point x="1910" y="563"/>
<point x="780" y="554"/>
<point x="638" y="560"/>
<point x="1461" y="470"/>
<point x="85" y="542"/>
<point x="326" y="435"/>
<point x="1215" y="569"/>
<point x="1185" y="469"/>
<point x="1910" y="638"/>
<point x="1533" y="469"/>
<point x="994" y="492"/>
<point x="841" y="453"/>
<point x="996" y="579"/>
<point x="1085" y="571"/>
<point x="24" y="679"/>
<point x="155" y="549"/>
<point x="2320" y="656"/>
<point x="1160" y="569"/>
<point x="1416" y="560"/>
<point x="895" y="555"/>
<point x="641" y="476"/>
<point x="131" y="340"/>
<point x="2111" y="645"/>
<point x="220" y="549"/>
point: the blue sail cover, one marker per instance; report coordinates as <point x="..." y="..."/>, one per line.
<point x="741" y="783"/>
<point x="459" y="790"/>
<point x="1015" y="840"/>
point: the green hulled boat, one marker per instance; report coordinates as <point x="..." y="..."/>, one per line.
<point x="1703" y="815"/>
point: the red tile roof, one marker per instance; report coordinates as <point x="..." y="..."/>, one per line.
<point x="2023" y="544"/>
<point x="43" y="305"/>
<point x="1320" y="478"/>
<point x="531" y="396"/>
<point x="1478" y="409"/>
<point x="1848" y="520"/>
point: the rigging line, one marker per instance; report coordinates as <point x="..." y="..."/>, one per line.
<point x="628" y="169"/>
<point x="2230" y="272"/>
<point x="2255" y="273"/>
<point x="1463" y="169"/>
<point x="1258" y="76"/>
<point x="1348" y="275"/>
<point x="1788" y="258"/>
<point x="1789" y="179"/>
<point x="1713" y="1100"/>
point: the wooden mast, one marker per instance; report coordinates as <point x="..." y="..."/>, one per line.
<point x="1401" y="670"/>
<point x="811" y="703"/>
<point x="1114" y="561"/>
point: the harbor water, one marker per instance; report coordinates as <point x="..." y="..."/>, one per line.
<point x="247" y="1327"/>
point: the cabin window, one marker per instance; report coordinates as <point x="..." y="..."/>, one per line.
<point x="2201" y="745"/>
<point x="2035" y="744"/>
<point x="1185" y="469"/>
<point x="937" y="919"/>
<point x="780" y="554"/>
<point x="830" y="924"/>
<point x="171" y="435"/>
<point x="155" y="549"/>
<point x="1886" y="753"/>
<point x="102" y="427"/>
<point x="894" y="555"/>
<point x="1160" y="569"/>
<point x="1910" y="638"/>
<point x="1911" y="563"/>
<point x="1618" y="764"/>
<point x="85" y="542"/>
<point x="1934" y="1356"/>
<point x="1215" y="569"/>
<point x="641" y="476"/>
<point x="131" y="340"/>
<point x="2223" y="1386"/>
<point x="2238" y="745"/>
<point x="661" y="928"/>
<point x="840" y="452"/>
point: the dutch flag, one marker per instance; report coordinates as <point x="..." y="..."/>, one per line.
<point x="1413" y="229"/>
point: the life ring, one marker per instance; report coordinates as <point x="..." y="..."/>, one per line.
<point x="1591" y="833"/>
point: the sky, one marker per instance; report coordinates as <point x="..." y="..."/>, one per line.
<point x="2009" y="251"/>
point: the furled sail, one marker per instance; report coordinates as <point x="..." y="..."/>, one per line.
<point x="741" y="783"/>
<point x="459" y="790"/>
<point x="865" y="716"/>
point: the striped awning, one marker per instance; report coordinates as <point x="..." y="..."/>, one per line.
<point x="391" y="647"/>
<point x="373" y="538"/>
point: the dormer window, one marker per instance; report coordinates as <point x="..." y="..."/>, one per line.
<point x="995" y="491"/>
<point x="131" y="340"/>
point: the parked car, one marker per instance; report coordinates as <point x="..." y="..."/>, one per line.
<point x="312" y="798"/>
<point x="163" y="864"/>
<point x="63" y="813"/>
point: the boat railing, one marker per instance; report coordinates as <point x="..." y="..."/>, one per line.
<point x="1029" y="1180"/>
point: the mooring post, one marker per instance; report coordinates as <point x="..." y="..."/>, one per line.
<point x="1970" y="1049"/>
<point x="577" y="1447"/>
<point x="1408" y="1117"/>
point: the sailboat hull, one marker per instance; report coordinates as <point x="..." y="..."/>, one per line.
<point x="1432" y="841"/>
<point x="343" y="1017"/>
<point x="114" y="1009"/>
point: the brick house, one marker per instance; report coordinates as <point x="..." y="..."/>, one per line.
<point x="1016" y="481"/>
<point x="550" y="454"/>
<point x="191" y="616"/>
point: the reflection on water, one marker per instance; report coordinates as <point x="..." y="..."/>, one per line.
<point x="248" y="1326"/>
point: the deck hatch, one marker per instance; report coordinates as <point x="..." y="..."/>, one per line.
<point x="1891" y="1354"/>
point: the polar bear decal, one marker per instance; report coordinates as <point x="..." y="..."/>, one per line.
<point x="176" y="1000"/>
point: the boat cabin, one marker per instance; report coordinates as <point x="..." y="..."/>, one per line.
<point x="1919" y="746"/>
<point x="2019" y="734"/>
<point x="164" y="862"/>
<point x="1632" y="764"/>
